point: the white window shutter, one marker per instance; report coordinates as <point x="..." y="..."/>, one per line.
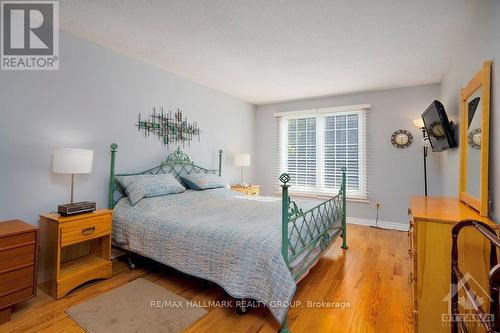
<point x="315" y="147"/>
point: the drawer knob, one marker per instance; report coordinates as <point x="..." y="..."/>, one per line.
<point x="88" y="231"/>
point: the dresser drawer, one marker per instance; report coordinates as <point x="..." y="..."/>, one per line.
<point x="82" y="230"/>
<point x="17" y="240"/>
<point x="16" y="279"/>
<point x="16" y="297"/>
<point x="16" y="257"/>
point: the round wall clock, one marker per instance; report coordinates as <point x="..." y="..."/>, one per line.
<point x="401" y="139"/>
<point x="474" y="138"/>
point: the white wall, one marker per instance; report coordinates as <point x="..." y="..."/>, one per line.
<point x="92" y="101"/>
<point x="95" y="97"/>
<point x="480" y="42"/>
<point x="394" y="174"/>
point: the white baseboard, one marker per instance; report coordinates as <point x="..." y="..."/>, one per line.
<point x="381" y="224"/>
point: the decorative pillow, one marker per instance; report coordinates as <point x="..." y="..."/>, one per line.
<point x="145" y="186"/>
<point x="202" y="181"/>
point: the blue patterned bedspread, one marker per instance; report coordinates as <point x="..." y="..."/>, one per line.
<point x="218" y="235"/>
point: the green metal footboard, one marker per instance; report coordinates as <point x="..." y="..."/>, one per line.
<point x="302" y="231"/>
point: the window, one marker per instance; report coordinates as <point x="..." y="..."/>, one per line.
<point x="316" y="144"/>
<point x="301" y="149"/>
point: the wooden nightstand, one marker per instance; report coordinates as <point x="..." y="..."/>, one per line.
<point x="74" y="250"/>
<point x="18" y="247"/>
<point x="248" y="190"/>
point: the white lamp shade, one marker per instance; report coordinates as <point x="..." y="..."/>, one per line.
<point x="69" y="160"/>
<point x="419" y="123"/>
<point x="242" y="160"/>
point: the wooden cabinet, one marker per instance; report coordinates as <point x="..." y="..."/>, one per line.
<point x="432" y="219"/>
<point x="18" y="254"/>
<point x="248" y="190"/>
<point x="74" y="250"/>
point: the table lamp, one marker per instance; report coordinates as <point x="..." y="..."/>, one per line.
<point x="242" y="160"/>
<point x="72" y="161"/>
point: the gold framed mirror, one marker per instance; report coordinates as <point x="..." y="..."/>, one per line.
<point x="474" y="141"/>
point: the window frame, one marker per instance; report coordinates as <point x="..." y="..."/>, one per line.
<point x="319" y="114"/>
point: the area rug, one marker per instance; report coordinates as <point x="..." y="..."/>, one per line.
<point x="138" y="306"/>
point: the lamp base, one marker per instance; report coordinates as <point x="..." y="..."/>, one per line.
<point x="76" y="208"/>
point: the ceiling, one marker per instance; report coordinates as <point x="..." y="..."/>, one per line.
<point x="277" y="50"/>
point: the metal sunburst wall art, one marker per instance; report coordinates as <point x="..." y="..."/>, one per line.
<point x="169" y="127"/>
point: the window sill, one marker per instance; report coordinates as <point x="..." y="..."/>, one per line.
<point x="313" y="195"/>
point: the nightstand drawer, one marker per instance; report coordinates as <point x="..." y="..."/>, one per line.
<point x="16" y="257"/>
<point x="82" y="230"/>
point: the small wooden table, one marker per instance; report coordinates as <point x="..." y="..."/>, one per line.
<point x="74" y="250"/>
<point x="18" y="247"/>
<point x="248" y="190"/>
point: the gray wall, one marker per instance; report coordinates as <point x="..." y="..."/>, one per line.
<point x="480" y="42"/>
<point x="92" y="101"/>
<point x="394" y="174"/>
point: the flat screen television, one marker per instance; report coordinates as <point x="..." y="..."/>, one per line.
<point x="439" y="128"/>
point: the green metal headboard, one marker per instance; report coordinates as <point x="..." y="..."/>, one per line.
<point x="177" y="164"/>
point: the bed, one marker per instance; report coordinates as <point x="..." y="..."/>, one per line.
<point x="253" y="247"/>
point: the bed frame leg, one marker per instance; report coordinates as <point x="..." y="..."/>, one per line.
<point x="131" y="264"/>
<point x="344" y="210"/>
<point x="344" y="236"/>
<point x="284" y="327"/>
<point x="241" y="310"/>
<point x="344" y="243"/>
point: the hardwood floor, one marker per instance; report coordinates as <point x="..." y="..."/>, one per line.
<point x="371" y="277"/>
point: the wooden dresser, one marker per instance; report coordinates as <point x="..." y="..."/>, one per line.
<point x="248" y="190"/>
<point x="74" y="250"/>
<point x="18" y="254"/>
<point x="432" y="219"/>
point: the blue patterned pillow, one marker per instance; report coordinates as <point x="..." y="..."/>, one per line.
<point x="146" y="186"/>
<point x="202" y="181"/>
